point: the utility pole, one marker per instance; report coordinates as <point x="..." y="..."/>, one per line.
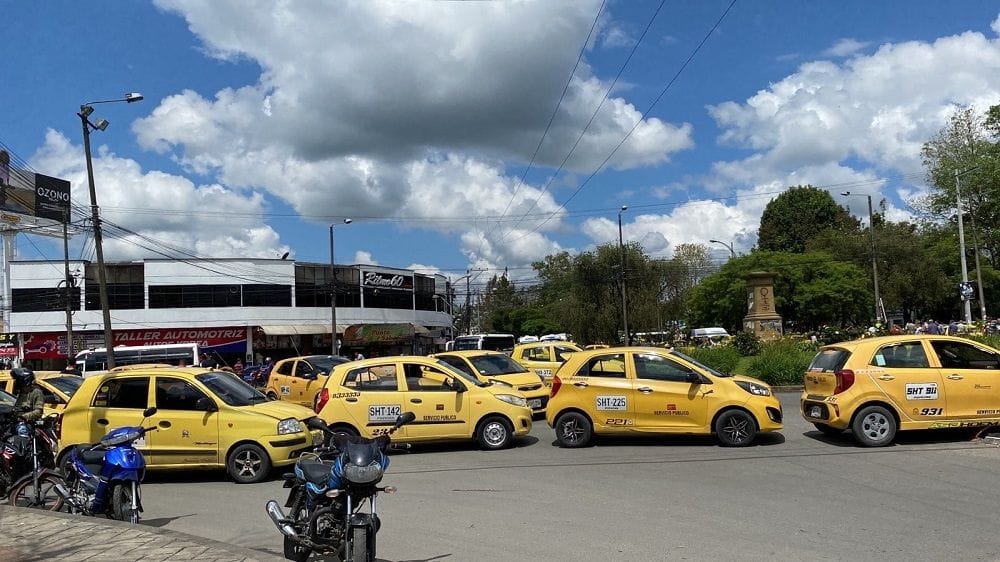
<point x="69" y="287"/>
<point x="961" y="239"/>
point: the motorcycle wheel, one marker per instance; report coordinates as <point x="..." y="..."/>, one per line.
<point x="23" y="495"/>
<point x="295" y="551"/>
<point x="362" y="545"/>
<point x="121" y="503"/>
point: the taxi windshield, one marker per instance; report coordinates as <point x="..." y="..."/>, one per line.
<point x="448" y="369"/>
<point x="496" y="365"/>
<point x="700" y="365"/>
<point x="230" y="389"/>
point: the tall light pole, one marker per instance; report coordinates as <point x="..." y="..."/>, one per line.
<point x="871" y="232"/>
<point x="69" y="289"/>
<point x="621" y="255"/>
<point x="102" y="124"/>
<point x="333" y="296"/>
<point x="961" y="239"/>
<point x="732" y="252"/>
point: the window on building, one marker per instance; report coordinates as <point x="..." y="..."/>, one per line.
<point x="388" y="298"/>
<point x="43" y="299"/>
<point x="193" y="296"/>
<point x="267" y="295"/>
<point x="125" y="285"/>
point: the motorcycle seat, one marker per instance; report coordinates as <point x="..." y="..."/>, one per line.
<point x="89" y="456"/>
<point x="316" y="472"/>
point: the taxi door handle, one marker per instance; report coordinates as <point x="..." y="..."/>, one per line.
<point x="887" y="378"/>
<point x="955" y="377"/>
<point x="580" y="384"/>
<point x="164" y="424"/>
<point x="416" y="401"/>
<point x="644" y="389"/>
<point x="351" y="399"/>
<point x="102" y="421"/>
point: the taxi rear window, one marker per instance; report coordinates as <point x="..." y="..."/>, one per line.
<point x="828" y="360"/>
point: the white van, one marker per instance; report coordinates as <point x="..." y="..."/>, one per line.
<point x="709" y="336"/>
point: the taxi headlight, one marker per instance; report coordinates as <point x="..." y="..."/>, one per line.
<point x="291" y="425"/>
<point x="499" y="382"/>
<point x="511" y="399"/>
<point x="754" y="388"/>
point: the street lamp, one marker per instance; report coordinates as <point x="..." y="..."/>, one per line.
<point x="961" y="240"/>
<point x="732" y="252"/>
<point x="621" y="254"/>
<point x="333" y="296"/>
<point x="101" y="124"/>
<point x="871" y="230"/>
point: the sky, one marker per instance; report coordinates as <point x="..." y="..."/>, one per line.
<point x="478" y="135"/>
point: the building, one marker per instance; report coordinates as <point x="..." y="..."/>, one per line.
<point x="244" y="309"/>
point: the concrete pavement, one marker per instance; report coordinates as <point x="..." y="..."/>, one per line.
<point x="30" y="534"/>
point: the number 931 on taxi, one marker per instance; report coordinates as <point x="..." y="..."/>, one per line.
<point x="632" y="390"/>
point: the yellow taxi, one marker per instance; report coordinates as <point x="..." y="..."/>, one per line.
<point x="298" y="379"/>
<point x="498" y="368"/>
<point x="632" y="390"/>
<point x="875" y="387"/>
<point x="205" y="419"/>
<point x="365" y="397"/>
<point x="56" y="388"/>
<point x="543" y="357"/>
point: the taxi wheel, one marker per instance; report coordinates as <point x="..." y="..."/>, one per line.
<point x="573" y="430"/>
<point x="271" y="395"/>
<point x="248" y="464"/>
<point x="874" y="426"/>
<point x="736" y="428"/>
<point x="495" y="433"/>
<point x="828" y="429"/>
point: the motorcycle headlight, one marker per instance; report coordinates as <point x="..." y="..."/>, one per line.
<point x="291" y="425"/>
<point x="511" y="399"/>
<point x="363" y="474"/>
<point x="754" y="388"/>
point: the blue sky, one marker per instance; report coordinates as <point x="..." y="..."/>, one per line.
<point x="262" y="125"/>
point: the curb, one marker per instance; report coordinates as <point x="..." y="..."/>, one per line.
<point x="216" y="548"/>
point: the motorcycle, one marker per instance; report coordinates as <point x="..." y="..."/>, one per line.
<point x="27" y="462"/>
<point x="104" y="478"/>
<point x="326" y="494"/>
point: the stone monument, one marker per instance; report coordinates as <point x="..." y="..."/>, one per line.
<point x="761" y="318"/>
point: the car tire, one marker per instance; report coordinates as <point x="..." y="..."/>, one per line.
<point x="248" y="464"/>
<point x="494" y="433"/>
<point x="573" y="430"/>
<point x="271" y="395"/>
<point x="828" y="429"/>
<point x="874" y="426"/>
<point x="736" y="428"/>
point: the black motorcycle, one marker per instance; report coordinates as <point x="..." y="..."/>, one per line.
<point x="27" y="461"/>
<point x="328" y="490"/>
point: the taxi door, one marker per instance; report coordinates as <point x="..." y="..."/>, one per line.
<point x="119" y="401"/>
<point x="604" y="392"/>
<point x="439" y="400"/>
<point x="189" y="433"/>
<point x="371" y="398"/>
<point x="304" y="383"/>
<point x="971" y="378"/>
<point x="665" y="398"/>
<point x="903" y="373"/>
<point x="280" y="379"/>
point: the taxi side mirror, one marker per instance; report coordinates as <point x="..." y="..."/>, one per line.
<point x="694" y="378"/>
<point x="455" y="385"/>
<point x="205" y="405"/>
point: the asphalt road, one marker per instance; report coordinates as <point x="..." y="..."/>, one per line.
<point x="797" y="495"/>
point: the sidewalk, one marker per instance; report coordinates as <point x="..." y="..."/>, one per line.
<point x="31" y="534"/>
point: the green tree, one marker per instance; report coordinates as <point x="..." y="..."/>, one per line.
<point x="798" y="215"/>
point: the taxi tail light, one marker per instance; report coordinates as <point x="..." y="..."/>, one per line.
<point x="57" y="427"/>
<point x="324" y="397"/>
<point x="556" y="383"/>
<point x="845" y="380"/>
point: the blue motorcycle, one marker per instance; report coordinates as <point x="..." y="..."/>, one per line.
<point x="104" y="478"/>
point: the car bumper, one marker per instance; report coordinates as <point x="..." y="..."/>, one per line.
<point x="537" y="401"/>
<point x="286" y="449"/>
<point x="768" y="413"/>
<point x="522" y="423"/>
<point x="824" y="409"/>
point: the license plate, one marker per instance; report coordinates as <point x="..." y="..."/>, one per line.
<point x="816" y="412"/>
<point x="535" y="404"/>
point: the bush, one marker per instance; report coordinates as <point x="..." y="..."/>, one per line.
<point x="781" y="363"/>
<point x="722" y="358"/>
<point x="747" y="343"/>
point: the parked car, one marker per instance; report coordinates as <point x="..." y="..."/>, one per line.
<point x="498" y="368"/>
<point x="206" y="419"/>
<point x="875" y="387"/>
<point x="298" y="379"/>
<point x="634" y="390"/>
<point x="365" y="398"/>
<point x="544" y="357"/>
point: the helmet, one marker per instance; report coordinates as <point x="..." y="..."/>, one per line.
<point x="23" y="377"/>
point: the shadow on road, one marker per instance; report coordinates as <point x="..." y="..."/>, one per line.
<point x="903" y="438"/>
<point x="163" y="521"/>
<point x="763" y="440"/>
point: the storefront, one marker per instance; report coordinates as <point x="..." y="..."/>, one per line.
<point x="378" y="340"/>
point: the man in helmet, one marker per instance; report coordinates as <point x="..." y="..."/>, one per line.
<point x="29" y="397"/>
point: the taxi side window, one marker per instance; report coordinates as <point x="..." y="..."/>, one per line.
<point x="285" y="368"/>
<point x="303" y="369"/>
<point x="905" y="355"/>
<point x="957" y="355"/>
<point x="608" y="366"/>
<point x="132" y="392"/>
<point x="658" y="368"/>
<point x="419" y="377"/>
<point x="536" y="354"/>
<point x="378" y="378"/>
<point x="176" y="394"/>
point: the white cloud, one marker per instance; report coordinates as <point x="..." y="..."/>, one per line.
<point x="364" y="258"/>
<point x="995" y="26"/>
<point x="845" y="47"/>
<point x="615" y="36"/>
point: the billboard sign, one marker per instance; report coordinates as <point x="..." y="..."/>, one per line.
<point x="23" y="192"/>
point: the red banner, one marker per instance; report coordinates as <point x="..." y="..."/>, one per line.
<point x="52" y="345"/>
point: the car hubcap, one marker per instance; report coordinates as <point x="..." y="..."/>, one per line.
<point x="737" y="429"/>
<point x="495" y="433"/>
<point x="572" y="432"/>
<point x="875" y="426"/>
<point x="248" y="464"/>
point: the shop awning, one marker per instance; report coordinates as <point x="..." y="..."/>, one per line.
<point x="361" y="334"/>
<point x="299" y="329"/>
